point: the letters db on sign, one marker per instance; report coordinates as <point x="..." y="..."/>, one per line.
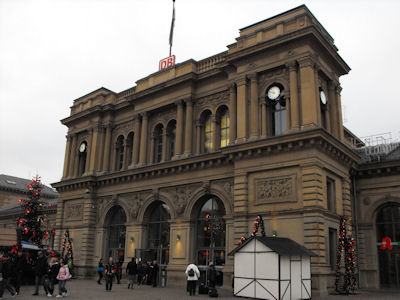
<point x="166" y="62"/>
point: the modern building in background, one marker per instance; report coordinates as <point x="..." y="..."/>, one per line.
<point x="178" y="167"/>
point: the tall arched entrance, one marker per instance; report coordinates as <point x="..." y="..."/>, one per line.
<point x="388" y="226"/>
<point x="210" y="234"/>
<point x="116" y="232"/>
<point x="157" y="242"/>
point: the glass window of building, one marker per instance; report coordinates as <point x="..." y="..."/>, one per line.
<point x="208" y="133"/>
<point x="82" y="154"/>
<point x="129" y="145"/>
<point x="116" y="231"/>
<point x="171" y="135"/>
<point x="119" y="153"/>
<point x="224" y="128"/>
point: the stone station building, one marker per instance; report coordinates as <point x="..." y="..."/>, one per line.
<point x="178" y="167"/>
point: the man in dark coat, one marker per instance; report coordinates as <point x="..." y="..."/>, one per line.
<point x="212" y="275"/>
<point x="131" y="271"/>
<point x="20" y="269"/>
<point x="6" y="269"/>
<point x="41" y="269"/>
<point x="154" y="273"/>
<point x="110" y="270"/>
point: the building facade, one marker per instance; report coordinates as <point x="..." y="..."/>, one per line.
<point x="178" y="167"/>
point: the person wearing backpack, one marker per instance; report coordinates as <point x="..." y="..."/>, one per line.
<point x="193" y="274"/>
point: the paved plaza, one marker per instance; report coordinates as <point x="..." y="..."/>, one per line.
<point x="89" y="289"/>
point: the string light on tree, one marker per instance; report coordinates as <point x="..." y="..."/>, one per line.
<point x="257" y="224"/>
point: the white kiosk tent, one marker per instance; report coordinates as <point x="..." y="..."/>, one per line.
<point x="272" y="268"/>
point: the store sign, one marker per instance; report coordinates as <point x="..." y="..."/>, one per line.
<point x="166" y="62"/>
<point x="387" y="243"/>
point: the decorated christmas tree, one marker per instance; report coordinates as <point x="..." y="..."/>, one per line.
<point x="259" y="222"/>
<point x="31" y="225"/>
<point x="67" y="253"/>
<point x="345" y="246"/>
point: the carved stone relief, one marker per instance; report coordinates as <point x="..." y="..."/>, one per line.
<point x="275" y="189"/>
<point x="102" y="204"/>
<point x="162" y="117"/>
<point x="74" y="211"/>
<point x="123" y="129"/>
<point x="270" y="76"/>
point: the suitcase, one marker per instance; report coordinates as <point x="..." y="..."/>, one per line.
<point x="212" y="292"/>
<point x="203" y="289"/>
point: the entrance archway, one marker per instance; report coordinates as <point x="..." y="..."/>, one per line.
<point x="388" y="226"/>
<point x="210" y="235"/>
<point x="116" y="232"/>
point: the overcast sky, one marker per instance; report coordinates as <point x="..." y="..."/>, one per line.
<point x="54" y="51"/>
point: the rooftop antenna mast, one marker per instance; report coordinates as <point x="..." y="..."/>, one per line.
<point x="171" y="33"/>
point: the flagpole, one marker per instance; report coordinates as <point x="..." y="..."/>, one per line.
<point x="171" y="33"/>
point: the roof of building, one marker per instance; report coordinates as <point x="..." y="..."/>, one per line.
<point x="379" y="153"/>
<point x="18" y="184"/>
<point x="283" y="246"/>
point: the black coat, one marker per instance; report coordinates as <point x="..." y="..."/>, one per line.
<point x="131" y="268"/>
<point x="53" y="271"/>
<point x="110" y="269"/>
<point x="41" y="267"/>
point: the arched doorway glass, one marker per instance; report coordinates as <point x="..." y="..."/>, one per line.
<point x="388" y="226"/>
<point x="158" y="230"/>
<point x="116" y="232"/>
<point x="210" y="237"/>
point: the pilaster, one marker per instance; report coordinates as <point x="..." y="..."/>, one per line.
<point x="309" y="111"/>
<point x="107" y="148"/>
<point x="198" y="137"/>
<point x="232" y="113"/>
<point x="179" y="129"/>
<point x="71" y="168"/>
<point x="67" y="156"/>
<point x="242" y="118"/>
<point x="189" y="127"/>
<point x="136" y="140"/>
<point x="254" y="114"/>
<point x="143" y="140"/>
<point x="294" y="98"/>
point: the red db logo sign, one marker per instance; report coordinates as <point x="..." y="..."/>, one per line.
<point x="166" y="62"/>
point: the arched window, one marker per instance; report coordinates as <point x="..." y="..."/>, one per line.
<point x="276" y="109"/>
<point x="158" y="142"/>
<point x="224" y="127"/>
<point x="116" y="231"/>
<point x="210" y="237"/>
<point x="171" y="135"/>
<point x="158" y="231"/>
<point x="82" y="158"/>
<point x="129" y="145"/>
<point x="207" y="132"/>
<point x="119" y="153"/>
<point x="388" y="226"/>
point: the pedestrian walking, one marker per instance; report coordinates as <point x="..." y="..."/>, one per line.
<point x="41" y="268"/>
<point x="193" y="274"/>
<point x="118" y="273"/>
<point x="6" y="272"/>
<point x="54" y="268"/>
<point x="154" y="273"/>
<point x="139" y="272"/>
<point x="20" y="269"/>
<point x="109" y="271"/>
<point x="131" y="271"/>
<point x="212" y="279"/>
<point x="100" y="270"/>
<point x="63" y="276"/>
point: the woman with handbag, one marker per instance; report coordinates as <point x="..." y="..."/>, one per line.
<point x="100" y="270"/>
<point x="63" y="276"/>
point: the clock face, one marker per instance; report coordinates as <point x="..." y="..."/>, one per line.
<point x="82" y="148"/>
<point x="322" y="97"/>
<point x="274" y="92"/>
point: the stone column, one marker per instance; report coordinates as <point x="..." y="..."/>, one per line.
<point x="99" y="159"/>
<point x="242" y="118"/>
<point x="339" y="113"/>
<point x="107" y="147"/>
<point x="189" y="127"/>
<point x="309" y="107"/>
<point x="254" y="115"/>
<point x="328" y="115"/>
<point x="67" y="156"/>
<point x="232" y="113"/>
<point x="294" y="98"/>
<point x="264" y="132"/>
<point x="71" y="167"/>
<point x="151" y="150"/>
<point x="179" y="129"/>
<point x="94" y="149"/>
<point x="143" y="140"/>
<point x="89" y="158"/>
<point x="136" y="139"/>
<point x="198" y="137"/>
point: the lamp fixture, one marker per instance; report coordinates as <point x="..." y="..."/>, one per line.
<point x="178" y="237"/>
<point x="132" y="239"/>
<point x="274" y="233"/>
